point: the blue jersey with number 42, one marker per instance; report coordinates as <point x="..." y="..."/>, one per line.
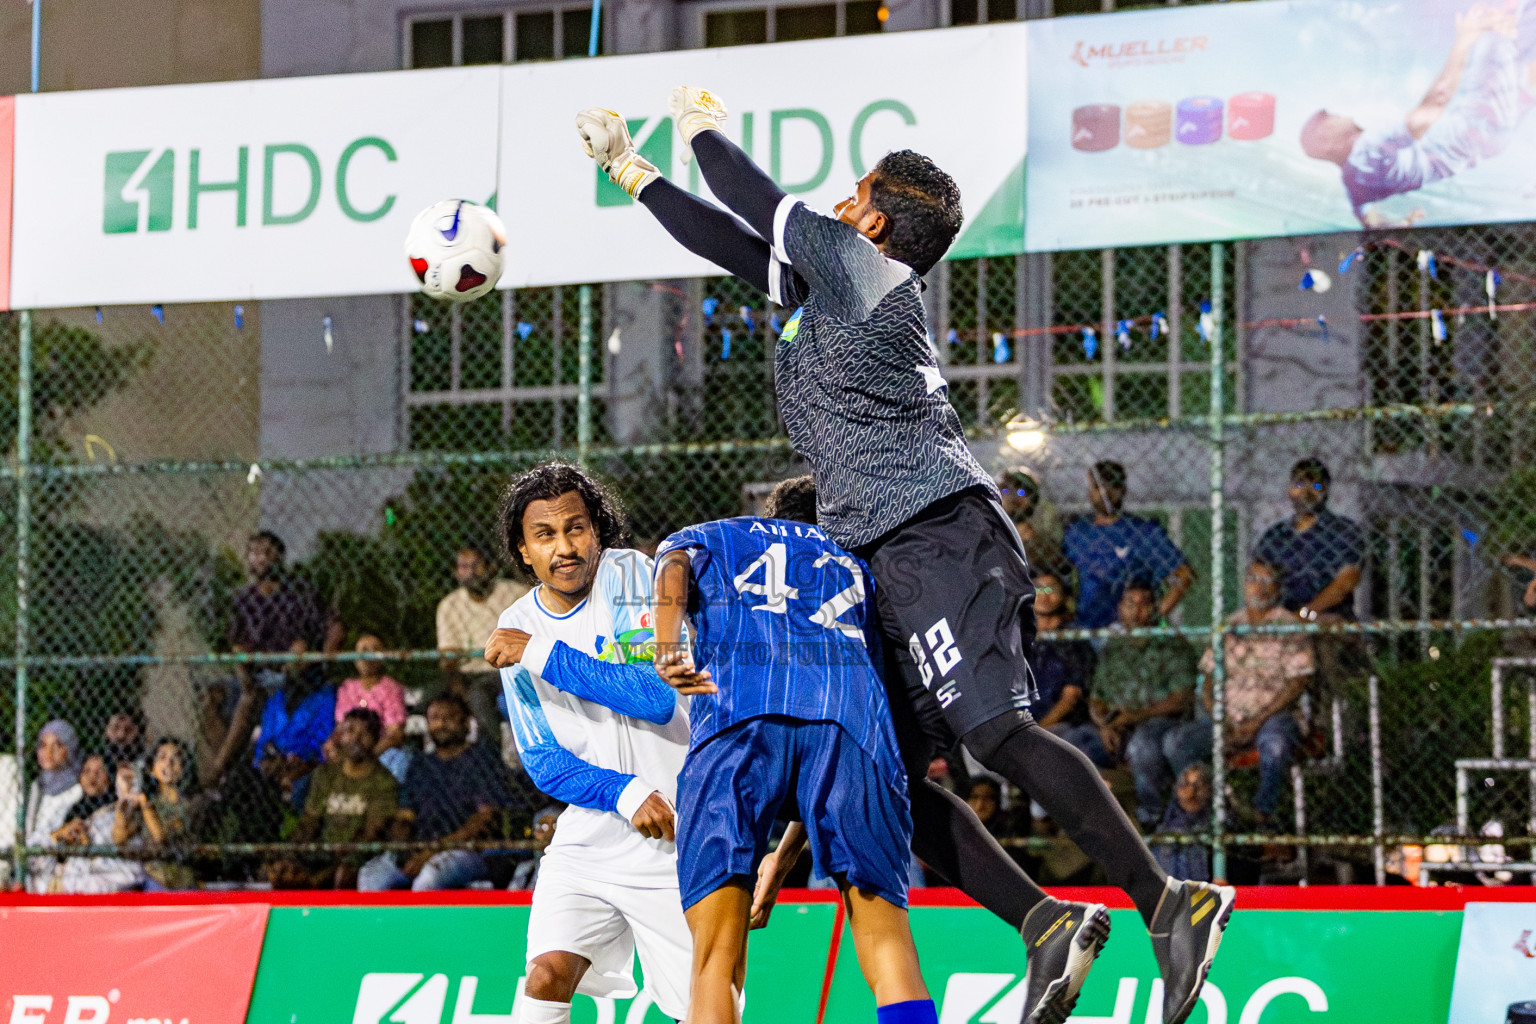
<point x="784" y="620"/>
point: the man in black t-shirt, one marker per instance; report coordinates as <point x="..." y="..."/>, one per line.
<point x="456" y="794"/>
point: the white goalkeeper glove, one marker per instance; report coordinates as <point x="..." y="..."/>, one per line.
<point x="605" y="137"/>
<point x="694" y="110"/>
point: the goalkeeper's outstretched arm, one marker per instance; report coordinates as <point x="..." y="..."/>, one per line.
<point x="703" y="228"/>
<point x="732" y="176"/>
<point x="708" y="231"/>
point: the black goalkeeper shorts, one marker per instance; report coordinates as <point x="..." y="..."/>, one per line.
<point x="956" y="609"/>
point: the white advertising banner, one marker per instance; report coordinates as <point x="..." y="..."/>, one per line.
<point x="243" y="190"/>
<point x="304" y="187"/>
<point x="816" y="115"/>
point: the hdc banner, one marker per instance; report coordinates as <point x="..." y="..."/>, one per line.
<point x="816" y="115"/>
<point x="1310" y="116"/>
<point x="464" y="965"/>
<point x="109" y="965"/>
<point x="289" y="188"/>
<point x="1278" y="967"/>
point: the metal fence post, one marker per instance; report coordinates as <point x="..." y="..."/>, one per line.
<point x="1218" y="679"/>
<point x="584" y="373"/>
<point x="23" y="524"/>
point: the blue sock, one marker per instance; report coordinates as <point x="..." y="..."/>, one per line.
<point x="913" y="1011"/>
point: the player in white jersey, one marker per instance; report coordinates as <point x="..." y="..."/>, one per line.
<point x="608" y="883"/>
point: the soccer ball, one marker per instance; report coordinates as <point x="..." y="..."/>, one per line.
<point x="455" y="248"/>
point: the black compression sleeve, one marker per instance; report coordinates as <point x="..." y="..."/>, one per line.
<point x="706" y="230"/>
<point x="738" y="182"/>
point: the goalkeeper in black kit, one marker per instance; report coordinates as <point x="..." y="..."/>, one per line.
<point x="866" y="405"/>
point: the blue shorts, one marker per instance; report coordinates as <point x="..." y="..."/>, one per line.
<point x="731" y="789"/>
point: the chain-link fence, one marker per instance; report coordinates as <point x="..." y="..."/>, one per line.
<point x="373" y="435"/>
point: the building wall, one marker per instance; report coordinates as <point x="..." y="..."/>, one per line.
<point x="105" y="44"/>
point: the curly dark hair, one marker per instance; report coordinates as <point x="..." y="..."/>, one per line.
<point x="922" y="204"/>
<point x="370" y="720"/>
<point x="794" y="499"/>
<point x="546" y="483"/>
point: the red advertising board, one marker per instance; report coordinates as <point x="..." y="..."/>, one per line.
<point x="129" y="965"/>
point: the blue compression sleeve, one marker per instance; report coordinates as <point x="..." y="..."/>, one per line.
<point x="634" y="690"/>
<point x="556" y="771"/>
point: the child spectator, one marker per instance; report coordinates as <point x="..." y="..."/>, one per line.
<point x="527" y="874"/>
<point x="166" y="810"/>
<point x="90" y="823"/>
<point x="377" y="692"/>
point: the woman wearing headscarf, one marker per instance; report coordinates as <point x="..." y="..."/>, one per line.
<point x="55" y="791"/>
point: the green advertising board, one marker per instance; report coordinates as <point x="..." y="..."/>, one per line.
<point x="1275" y="967"/>
<point x="463" y="965"/>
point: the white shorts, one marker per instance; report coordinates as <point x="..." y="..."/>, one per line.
<point x="608" y="924"/>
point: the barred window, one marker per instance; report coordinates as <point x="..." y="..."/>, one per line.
<point x="496" y="37"/>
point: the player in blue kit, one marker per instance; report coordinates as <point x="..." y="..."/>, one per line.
<point x="789" y="717"/>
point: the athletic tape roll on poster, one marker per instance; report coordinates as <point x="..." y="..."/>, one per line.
<point x="1199" y="120"/>
<point x="1096" y="127"/>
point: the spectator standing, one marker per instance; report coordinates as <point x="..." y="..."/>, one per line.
<point x="1189" y="813"/>
<point x="1109" y="549"/>
<point x="90" y="823"/>
<point x="374" y="690"/>
<point x="527" y="873"/>
<point x="52" y="794"/>
<point x="466" y="618"/>
<point x="277" y="613"/>
<point x="165" y="810"/>
<point x="1266" y="676"/>
<point x="1063" y="672"/>
<point x="1319" y="553"/>
<point x="458" y="793"/>
<point x="352" y="799"/>
<point x="1144" y="688"/>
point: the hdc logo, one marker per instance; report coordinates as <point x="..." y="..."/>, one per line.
<point x="139" y="185"/>
<point x="996" y="999"/>
<point x="421" y="999"/>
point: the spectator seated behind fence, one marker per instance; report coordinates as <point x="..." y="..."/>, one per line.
<point x="986" y="798"/>
<point x="1189" y="813"/>
<point x="1109" y="549"/>
<point x="1319" y="553"/>
<point x="123" y="738"/>
<point x="544" y="823"/>
<point x="351" y="799"/>
<point x="1037" y="521"/>
<point x="52" y="794"/>
<point x="377" y="692"/>
<point x="1144" y="688"/>
<point x="1266" y="676"/>
<point x="1064" y="672"/>
<point x="465" y="620"/>
<point x="165" y="812"/>
<point x="90" y="823"/>
<point x="458" y="793"/>
<point x="295" y="723"/>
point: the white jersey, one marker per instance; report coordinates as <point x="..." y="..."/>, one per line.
<point x="603" y="763"/>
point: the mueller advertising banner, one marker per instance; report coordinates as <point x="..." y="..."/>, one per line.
<point x="129" y="965"/>
<point x="1206" y="123"/>
<point x="305" y="187"/>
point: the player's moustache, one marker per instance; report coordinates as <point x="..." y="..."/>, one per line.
<point x="561" y="563"/>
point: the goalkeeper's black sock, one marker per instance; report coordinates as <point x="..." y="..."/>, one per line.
<point x="948" y="837"/>
<point x="1065" y="783"/>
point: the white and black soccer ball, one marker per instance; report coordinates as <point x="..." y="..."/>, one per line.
<point x="456" y="249"/>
